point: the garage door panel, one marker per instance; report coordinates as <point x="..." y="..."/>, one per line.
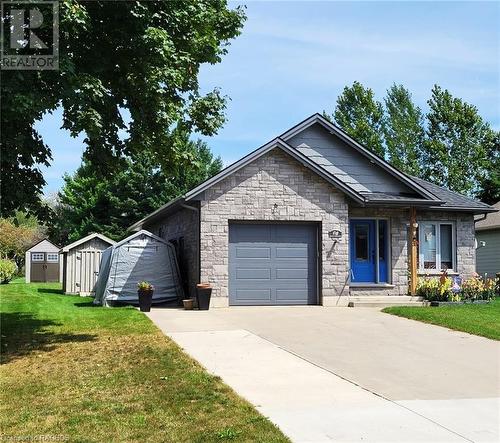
<point x="252" y="274"/>
<point x="292" y="252"/>
<point x="253" y="252"/>
<point x="292" y="295"/>
<point x="292" y="274"/>
<point x="248" y="233"/>
<point x="254" y="294"/>
<point x="272" y="264"/>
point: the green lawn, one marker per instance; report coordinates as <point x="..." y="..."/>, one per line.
<point x="478" y="319"/>
<point x="92" y="374"/>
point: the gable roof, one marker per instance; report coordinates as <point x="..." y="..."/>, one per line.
<point x="424" y="194"/>
<point x="41" y="241"/>
<point x="87" y="238"/>
<point x="491" y="221"/>
<point x="276" y="143"/>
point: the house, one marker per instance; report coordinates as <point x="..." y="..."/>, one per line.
<point x="312" y="217"/>
<point x="42" y="263"/>
<point x="488" y="233"/>
<point x="81" y="261"/>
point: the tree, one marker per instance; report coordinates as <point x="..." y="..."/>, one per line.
<point x="490" y="183"/>
<point x="361" y="116"/>
<point x="17" y="234"/>
<point x="404" y="130"/>
<point x="456" y="145"/>
<point x="88" y="203"/>
<point x="143" y="57"/>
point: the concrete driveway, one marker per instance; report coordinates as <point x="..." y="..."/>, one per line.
<point x="342" y="374"/>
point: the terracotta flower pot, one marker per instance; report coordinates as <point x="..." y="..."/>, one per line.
<point x="145" y="299"/>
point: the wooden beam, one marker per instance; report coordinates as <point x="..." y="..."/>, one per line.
<point x="413" y="251"/>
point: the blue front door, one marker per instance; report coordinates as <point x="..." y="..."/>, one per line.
<point x="362" y="235"/>
<point x="369" y="250"/>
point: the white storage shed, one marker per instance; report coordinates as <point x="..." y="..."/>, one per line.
<point x="81" y="262"/>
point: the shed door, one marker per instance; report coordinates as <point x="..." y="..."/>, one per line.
<point x="87" y="270"/>
<point x="272" y="264"/>
<point x="44" y="267"/>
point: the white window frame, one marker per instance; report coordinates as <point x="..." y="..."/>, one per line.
<point x="52" y="260"/>
<point x="437" y="225"/>
<point x="35" y="256"/>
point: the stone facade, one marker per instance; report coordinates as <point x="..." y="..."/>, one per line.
<point x="183" y="224"/>
<point x="274" y="187"/>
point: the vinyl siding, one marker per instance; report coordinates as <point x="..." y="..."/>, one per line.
<point x="345" y="162"/>
<point x="488" y="257"/>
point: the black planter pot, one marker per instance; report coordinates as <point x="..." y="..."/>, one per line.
<point x="145" y="300"/>
<point x="203" y="294"/>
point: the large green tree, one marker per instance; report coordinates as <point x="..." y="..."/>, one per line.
<point x="361" y="116"/>
<point x="403" y="130"/>
<point x="490" y="183"/>
<point x="457" y="145"/>
<point x="90" y="203"/>
<point x="140" y="56"/>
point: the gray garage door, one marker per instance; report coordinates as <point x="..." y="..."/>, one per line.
<point x="272" y="264"/>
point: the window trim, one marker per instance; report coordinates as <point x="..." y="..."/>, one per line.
<point x="437" y="224"/>
<point x="37" y="260"/>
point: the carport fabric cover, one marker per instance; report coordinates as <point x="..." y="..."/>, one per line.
<point x="138" y="258"/>
<point x="272" y="264"/>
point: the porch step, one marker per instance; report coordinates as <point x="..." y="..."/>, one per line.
<point x="384" y="301"/>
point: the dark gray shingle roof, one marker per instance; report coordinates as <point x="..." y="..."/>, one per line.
<point x="452" y="199"/>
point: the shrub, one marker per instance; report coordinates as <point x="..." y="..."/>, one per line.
<point x="445" y="288"/>
<point x="435" y="289"/>
<point x="7" y="270"/>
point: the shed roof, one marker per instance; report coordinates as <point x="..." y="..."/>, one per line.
<point x="86" y="239"/>
<point x="44" y="245"/>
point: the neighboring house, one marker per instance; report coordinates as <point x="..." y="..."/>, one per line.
<point x="488" y="231"/>
<point x="42" y="263"/>
<point x="312" y="217"/>
<point x="81" y="261"/>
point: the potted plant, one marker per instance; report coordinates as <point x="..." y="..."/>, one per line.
<point x="145" y="292"/>
<point x="203" y="293"/>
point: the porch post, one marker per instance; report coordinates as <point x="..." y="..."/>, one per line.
<point x="413" y="251"/>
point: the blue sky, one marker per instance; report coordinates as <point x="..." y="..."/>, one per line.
<point x="294" y="58"/>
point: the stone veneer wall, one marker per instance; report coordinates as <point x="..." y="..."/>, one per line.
<point x="398" y="220"/>
<point x="184" y="223"/>
<point x="250" y="194"/>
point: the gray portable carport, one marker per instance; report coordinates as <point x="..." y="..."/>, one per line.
<point x="139" y="257"/>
